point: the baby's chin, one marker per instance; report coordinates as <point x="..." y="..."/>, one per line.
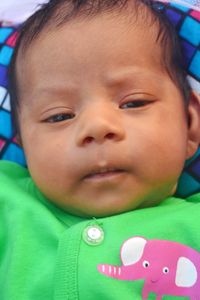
<point x="102" y="212"/>
<point x="95" y="213"/>
<point x="110" y="204"/>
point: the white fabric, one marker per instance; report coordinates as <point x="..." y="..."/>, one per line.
<point x="18" y="10"/>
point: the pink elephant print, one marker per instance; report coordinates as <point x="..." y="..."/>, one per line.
<point x="167" y="268"/>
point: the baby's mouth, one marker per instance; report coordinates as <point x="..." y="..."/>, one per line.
<point x="103" y="173"/>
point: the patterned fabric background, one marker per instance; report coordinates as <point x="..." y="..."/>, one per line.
<point x="187" y="23"/>
<point x="9" y="150"/>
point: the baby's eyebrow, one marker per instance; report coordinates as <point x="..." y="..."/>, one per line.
<point x="129" y="77"/>
<point x="56" y="88"/>
<point x="44" y="92"/>
<point x="135" y="75"/>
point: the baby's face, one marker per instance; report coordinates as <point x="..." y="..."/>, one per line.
<point x="103" y="126"/>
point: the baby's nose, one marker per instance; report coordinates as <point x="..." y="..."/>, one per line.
<point x="100" y="128"/>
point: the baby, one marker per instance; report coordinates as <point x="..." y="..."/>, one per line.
<point x="103" y="111"/>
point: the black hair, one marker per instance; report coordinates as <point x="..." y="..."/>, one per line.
<point x="55" y="13"/>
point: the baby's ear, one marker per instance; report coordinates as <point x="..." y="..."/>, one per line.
<point x="193" y="124"/>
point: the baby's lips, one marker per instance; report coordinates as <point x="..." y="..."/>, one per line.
<point x="102" y="173"/>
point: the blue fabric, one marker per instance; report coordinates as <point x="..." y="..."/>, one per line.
<point x="5" y="33"/>
<point x="5" y="124"/>
<point x="190" y="31"/>
<point x="6" y="55"/>
<point x="179" y="7"/>
<point x="14" y="153"/>
<point x="196" y="62"/>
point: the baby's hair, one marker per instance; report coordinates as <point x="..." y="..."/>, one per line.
<point x="55" y="13"/>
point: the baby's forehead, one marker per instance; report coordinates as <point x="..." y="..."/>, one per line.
<point x="107" y="62"/>
<point x="119" y="21"/>
<point x="132" y="12"/>
<point x="99" y="33"/>
<point x="102" y="34"/>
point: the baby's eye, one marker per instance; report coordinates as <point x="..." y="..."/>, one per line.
<point x="135" y="104"/>
<point x="60" y="118"/>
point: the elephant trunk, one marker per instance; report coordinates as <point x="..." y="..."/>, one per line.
<point x="118" y="272"/>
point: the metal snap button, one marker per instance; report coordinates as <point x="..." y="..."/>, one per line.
<point x="93" y="235"/>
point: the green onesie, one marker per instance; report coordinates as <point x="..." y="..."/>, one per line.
<point x="46" y="254"/>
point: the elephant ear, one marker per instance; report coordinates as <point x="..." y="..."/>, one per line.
<point x="132" y="250"/>
<point x="186" y="273"/>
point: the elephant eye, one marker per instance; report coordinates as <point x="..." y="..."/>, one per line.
<point x="145" y="264"/>
<point x="165" y="270"/>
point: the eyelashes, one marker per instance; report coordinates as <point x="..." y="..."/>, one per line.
<point x="135" y="103"/>
<point x="61" y="117"/>
<point x="126" y="105"/>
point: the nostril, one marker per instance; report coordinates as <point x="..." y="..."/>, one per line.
<point x="88" y="140"/>
<point x="110" y="136"/>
